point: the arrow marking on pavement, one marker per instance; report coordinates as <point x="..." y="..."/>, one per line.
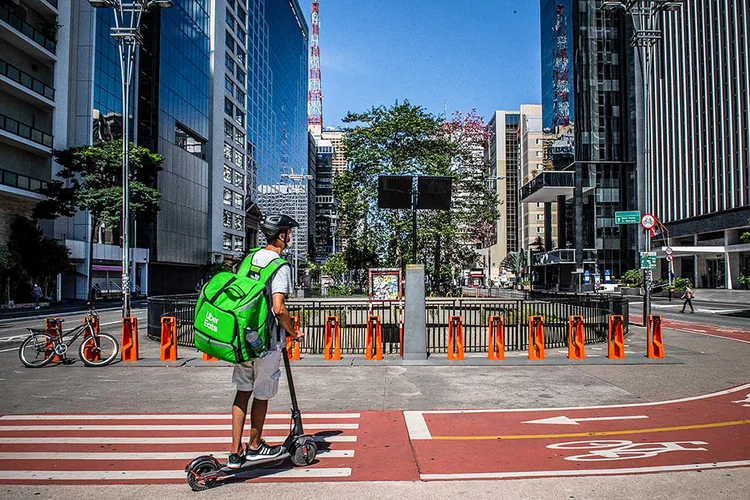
<point x="563" y="420"/>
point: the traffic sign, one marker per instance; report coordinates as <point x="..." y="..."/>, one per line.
<point x="648" y="260"/>
<point x="627" y="217"/>
<point x="668" y="251"/>
<point x="648" y="221"/>
<point x="670" y="257"/>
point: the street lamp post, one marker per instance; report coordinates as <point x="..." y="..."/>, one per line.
<point x="126" y="32"/>
<point x="645" y="15"/>
<point x="296" y="178"/>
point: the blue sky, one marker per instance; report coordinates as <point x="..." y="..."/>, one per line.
<point x="470" y="53"/>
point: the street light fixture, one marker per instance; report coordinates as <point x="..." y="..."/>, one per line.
<point x="126" y="32"/>
<point x="645" y="15"/>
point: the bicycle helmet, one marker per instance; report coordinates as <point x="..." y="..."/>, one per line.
<point x="275" y="224"/>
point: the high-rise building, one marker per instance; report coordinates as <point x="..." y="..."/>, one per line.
<point x="339" y="154"/>
<point x="502" y="158"/>
<point x="325" y="206"/>
<point x="700" y="162"/>
<point x="601" y="179"/>
<point x="558" y="98"/>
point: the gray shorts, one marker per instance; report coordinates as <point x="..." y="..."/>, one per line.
<point x="261" y="376"/>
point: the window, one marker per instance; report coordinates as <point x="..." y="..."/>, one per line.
<point x="227" y="242"/>
<point x="240" y="118"/>
<point x="240" y="95"/>
<point x="228" y="85"/>
<point x="239" y="243"/>
<point x="228" y="130"/>
<point x="227" y="218"/>
<point x="227" y="174"/>
<point x="538" y="154"/>
<point x="241" y="14"/>
<point x="540" y="205"/>
<point x="241" y="55"/>
<point x="227" y="152"/>
<point x="229" y="41"/>
<point x="228" y="107"/>
<point x="239" y="137"/>
<point x="238" y="201"/>
<point x="238" y="158"/>
<point x="540" y="230"/>
<point x="539" y="216"/>
<point x="240" y="33"/>
<point x="227" y="196"/>
<point x="239" y="180"/>
<point x="240" y="75"/>
<point x="230" y="20"/>
<point x="229" y="63"/>
<point x="239" y="222"/>
<point x="188" y="141"/>
<point x="230" y="3"/>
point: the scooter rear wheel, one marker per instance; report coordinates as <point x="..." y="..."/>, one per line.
<point x="196" y="475"/>
<point x="304" y="455"/>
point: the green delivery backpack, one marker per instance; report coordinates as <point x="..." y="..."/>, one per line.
<point x="229" y="303"/>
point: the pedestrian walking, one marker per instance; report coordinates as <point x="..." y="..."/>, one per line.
<point x="688" y="298"/>
<point x="36" y="294"/>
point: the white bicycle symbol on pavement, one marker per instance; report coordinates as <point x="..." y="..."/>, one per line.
<point x="617" y="449"/>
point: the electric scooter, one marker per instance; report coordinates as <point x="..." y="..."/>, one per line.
<point x="206" y="471"/>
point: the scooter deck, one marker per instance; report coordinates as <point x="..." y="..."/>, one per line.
<point x="251" y="464"/>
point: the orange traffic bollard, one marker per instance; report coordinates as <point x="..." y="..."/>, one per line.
<point x="616" y="339"/>
<point x="654" y="345"/>
<point x="293" y="349"/>
<point x="89" y="351"/>
<point x="332" y="348"/>
<point x="455" y="338"/>
<point x="374" y="336"/>
<point x="168" y="338"/>
<point x="130" y="339"/>
<point x="576" y="349"/>
<point x="496" y="344"/>
<point x="536" y="337"/>
<point x="53" y="326"/>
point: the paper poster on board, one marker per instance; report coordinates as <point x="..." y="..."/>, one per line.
<point x="385" y="284"/>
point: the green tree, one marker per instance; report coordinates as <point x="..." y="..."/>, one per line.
<point x="335" y="267"/>
<point x="91" y="180"/>
<point x="407" y="140"/>
<point x="41" y="258"/>
<point x="8" y="266"/>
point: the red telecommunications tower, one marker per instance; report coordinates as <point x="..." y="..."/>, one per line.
<point x="314" y="94"/>
<point x="560" y="71"/>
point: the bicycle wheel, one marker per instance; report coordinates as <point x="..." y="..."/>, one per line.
<point x="37" y="350"/>
<point x="107" y="351"/>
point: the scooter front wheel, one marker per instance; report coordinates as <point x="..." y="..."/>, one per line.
<point x="305" y="454"/>
<point x="196" y="474"/>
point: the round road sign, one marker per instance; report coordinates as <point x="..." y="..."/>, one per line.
<point x="670" y="257"/>
<point x="668" y="251"/>
<point x="648" y="221"/>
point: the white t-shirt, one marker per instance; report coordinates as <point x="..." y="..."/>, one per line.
<point x="280" y="283"/>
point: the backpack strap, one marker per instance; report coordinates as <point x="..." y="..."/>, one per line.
<point x="244" y="268"/>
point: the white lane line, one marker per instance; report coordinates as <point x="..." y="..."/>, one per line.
<point x="158" y="440"/>
<point x="15" y="337"/>
<point x="722" y="337"/>
<point x="106" y="475"/>
<point x="578" y="472"/>
<point x="41" y="327"/>
<point x="166" y="416"/>
<point x="189" y="455"/>
<point x="8" y="350"/>
<point x="199" y="427"/>
<point x="416" y="425"/>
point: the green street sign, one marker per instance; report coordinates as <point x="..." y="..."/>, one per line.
<point x="648" y="260"/>
<point x="633" y="217"/>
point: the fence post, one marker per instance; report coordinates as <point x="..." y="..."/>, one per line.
<point x="293" y="348"/>
<point x="654" y="345"/>
<point x="89" y="352"/>
<point x="332" y="348"/>
<point x="616" y="337"/>
<point x="576" y="349"/>
<point x="374" y="334"/>
<point x="455" y="338"/>
<point x="53" y="326"/>
<point x="536" y="337"/>
<point x="130" y="339"/>
<point x="401" y="331"/>
<point x="168" y="339"/>
<point x="496" y="343"/>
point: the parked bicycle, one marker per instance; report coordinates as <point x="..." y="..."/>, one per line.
<point x="97" y="349"/>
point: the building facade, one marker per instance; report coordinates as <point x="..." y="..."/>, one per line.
<point x="325" y="206"/>
<point x="503" y="161"/>
<point x="700" y="163"/>
<point x="557" y="68"/>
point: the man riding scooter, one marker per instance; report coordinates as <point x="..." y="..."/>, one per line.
<point x="260" y="377"/>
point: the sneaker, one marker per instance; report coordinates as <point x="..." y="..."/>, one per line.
<point x="263" y="452"/>
<point x="235" y="461"/>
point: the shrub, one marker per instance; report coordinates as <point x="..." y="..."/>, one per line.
<point x="631" y="278"/>
<point x="745" y="237"/>
<point x="680" y="283"/>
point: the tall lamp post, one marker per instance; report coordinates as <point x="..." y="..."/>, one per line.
<point x="646" y="15"/>
<point x="296" y="178"/>
<point x="126" y="32"/>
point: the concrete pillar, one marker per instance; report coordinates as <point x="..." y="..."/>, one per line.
<point x="548" y="225"/>
<point x="578" y="201"/>
<point x="561" y="221"/>
<point x="415" y="332"/>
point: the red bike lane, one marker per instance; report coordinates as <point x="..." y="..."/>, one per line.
<point x="695" y="433"/>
